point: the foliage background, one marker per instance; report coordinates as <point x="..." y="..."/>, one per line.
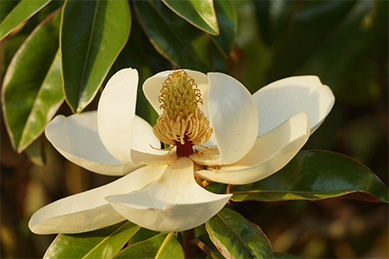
<point x="345" y="43"/>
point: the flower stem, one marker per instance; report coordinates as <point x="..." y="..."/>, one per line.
<point x="189" y="247"/>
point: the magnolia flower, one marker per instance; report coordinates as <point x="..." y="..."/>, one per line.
<point x="213" y="129"/>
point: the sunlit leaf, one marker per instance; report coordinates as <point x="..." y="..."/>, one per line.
<point x="199" y="13"/>
<point x="236" y="237"/>
<point x="102" y="243"/>
<point x="24" y="10"/>
<point x="182" y="44"/>
<point x="32" y="86"/>
<point x="159" y="246"/>
<point x="315" y="175"/>
<point x="92" y="35"/>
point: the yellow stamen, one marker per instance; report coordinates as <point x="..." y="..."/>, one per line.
<point x="181" y="117"/>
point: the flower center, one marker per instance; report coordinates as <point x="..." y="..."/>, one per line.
<point x="181" y="123"/>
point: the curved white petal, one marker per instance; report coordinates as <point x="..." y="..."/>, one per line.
<point x="116" y="113"/>
<point x="89" y="210"/>
<point x="144" y="140"/>
<point x="77" y="139"/>
<point x="282" y="99"/>
<point x="153" y="85"/>
<point x="271" y="152"/>
<point x="173" y="203"/>
<point x="233" y="116"/>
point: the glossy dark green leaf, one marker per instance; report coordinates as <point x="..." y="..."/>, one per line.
<point x="284" y="256"/>
<point x="315" y="175"/>
<point x="236" y="237"/>
<point x="92" y="35"/>
<point x="24" y="10"/>
<point x="199" y="13"/>
<point x="227" y="19"/>
<point x="32" y="86"/>
<point x="159" y="246"/>
<point x="309" y="28"/>
<point x="182" y="44"/>
<point x="102" y="243"/>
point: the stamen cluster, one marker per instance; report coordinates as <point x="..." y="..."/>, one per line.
<point x="181" y="122"/>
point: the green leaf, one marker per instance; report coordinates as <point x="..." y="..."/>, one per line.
<point x="102" y="243"/>
<point x="32" y="86"/>
<point x="199" y="13"/>
<point x="182" y="44"/>
<point x="236" y="237"/>
<point x="227" y="18"/>
<point x="6" y="7"/>
<point x="92" y="35"/>
<point x="272" y="17"/>
<point x="22" y="12"/>
<point x="285" y="256"/>
<point x="159" y="246"/>
<point x="315" y="175"/>
<point x="310" y="27"/>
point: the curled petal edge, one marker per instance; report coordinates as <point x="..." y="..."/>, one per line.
<point x="173" y="203"/>
<point x="271" y="152"/>
<point x="89" y="210"/>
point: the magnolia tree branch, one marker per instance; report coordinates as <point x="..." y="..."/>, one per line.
<point x="189" y="247"/>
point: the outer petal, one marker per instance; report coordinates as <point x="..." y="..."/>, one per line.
<point x="282" y="99"/>
<point x="89" y="210"/>
<point x="153" y="85"/>
<point x="76" y="138"/>
<point x="233" y="116"/>
<point x="116" y="119"/>
<point x="271" y="152"/>
<point x="174" y="203"/>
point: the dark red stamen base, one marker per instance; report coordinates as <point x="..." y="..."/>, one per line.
<point x="186" y="149"/>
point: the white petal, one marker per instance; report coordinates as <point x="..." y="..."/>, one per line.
<point x="116" y="113"/>
<point x="89" y="210"/>
<point x="144" y="140"/>
<point x="282" y="99"/>
<point x="153" y="85"/>
<point x="173" y="203"/>
<point x="77" y="139"/>
<point x="233" y="116"/>
<point x="271" y="152"/>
